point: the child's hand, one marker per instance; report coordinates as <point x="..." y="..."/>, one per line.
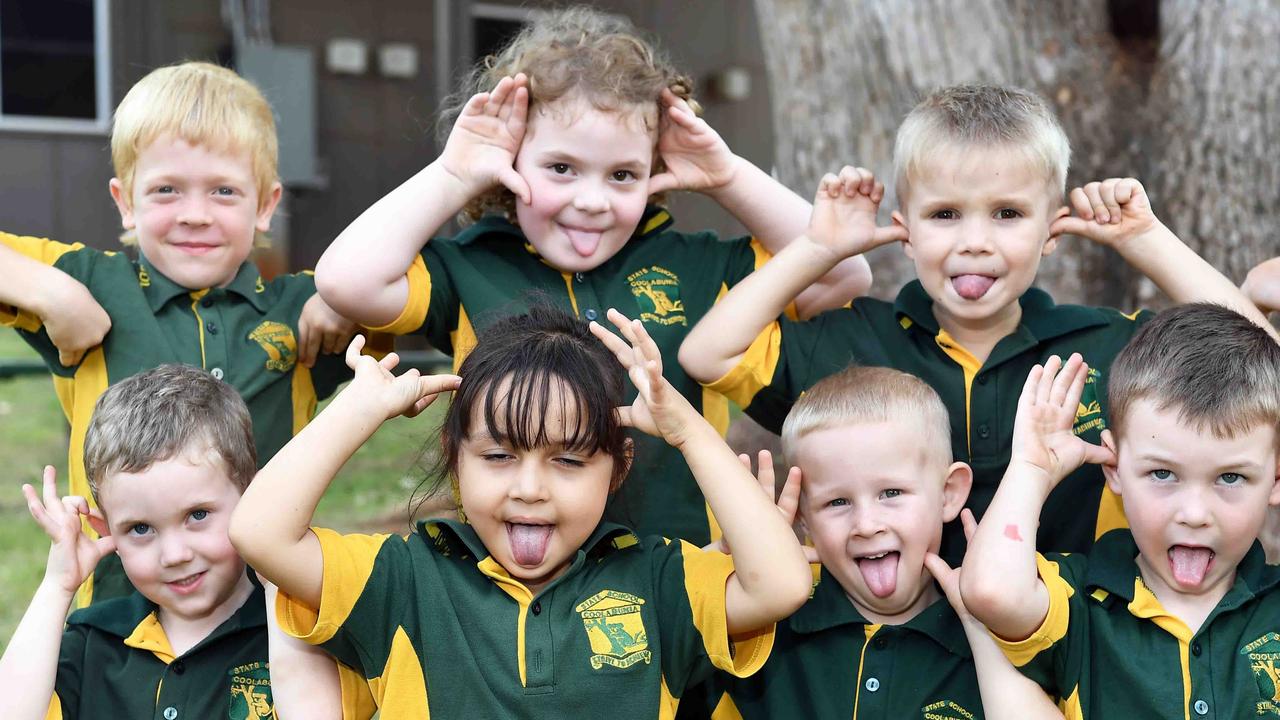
<point x="481" y="149"/>
<point x="658" y="409"/>
<point x="949" y="579"/>
<point x="407" y="394"/>
<point x="321" y="330"/>
<point x="788" y="500"/>
<point x="1262" y="286"/>
<point x="73" y="554"/>
<point x="695" y="156"/>
<point x="76" y="323"/>
<point x="844" y="214"/>
<point x="1110" y="212"/>
<point x="1043" y="441"/>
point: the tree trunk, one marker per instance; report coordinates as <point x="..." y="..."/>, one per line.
<point x="1193" y="116"/>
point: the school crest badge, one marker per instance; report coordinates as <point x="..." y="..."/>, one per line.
<point x="657" y="292"/>
<point x="277" y="341"/>
<point x="944" y="710"/>
<point x="615" y="628"/>
<point x="1089" y="411"/>
<point x="251" y="693"/>
<point x="1264" y="654"/>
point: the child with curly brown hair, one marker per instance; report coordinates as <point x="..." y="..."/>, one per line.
<point x="560" y="160"/>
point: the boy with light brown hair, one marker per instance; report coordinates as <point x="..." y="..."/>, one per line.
<point x="980" y="173"/>
<point x="194" y="148"/>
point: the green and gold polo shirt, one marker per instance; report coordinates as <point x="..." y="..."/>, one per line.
<point x="665" y="278"/>
<point x="116" y="662"/>
<point x="244" y="334"/>
<point x="441" y="630"/>
<point x="828" y="662"/>
<point x="1108" y="648"/>
<point x="788" y="357"/>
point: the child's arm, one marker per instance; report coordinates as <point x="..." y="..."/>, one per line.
<point x="362" y="274"/>
<point x="304" y="679"/>
<point x="1006" y="693"/>
<point x="1262" y="286"/>
<point x="1117" y="213"/>
<point x="999" y="580"/>
<point x="71" y="316"/>
<point x="271" y="525"/>
<point x="843" y="225"/>
<point x="698" y="159"/>
<point x="771" y="578"/>
<point x="30" y="663"/>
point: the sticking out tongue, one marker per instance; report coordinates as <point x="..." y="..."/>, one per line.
<point x="1189" y="564"/>
<point x="972" y="287"/>
<point x="529" y="542"/>
<point x="880" y="574"/>
<point x="584" y="242"/>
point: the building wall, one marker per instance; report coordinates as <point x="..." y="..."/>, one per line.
<point x="373" y="132"/>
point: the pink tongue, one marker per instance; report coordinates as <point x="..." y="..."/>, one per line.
<point x="1189" y="564"/>
<point x="881" y="574"/>
<point x="529" y="542"/>
<point x="584" y="243"/>
<point x="972" y="287"/>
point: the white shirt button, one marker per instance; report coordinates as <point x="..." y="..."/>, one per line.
<point x="872" y="684"/>
<point x="1201" y="707"/>
<point x="170" y="713"/>
<point x="217" y="375"/>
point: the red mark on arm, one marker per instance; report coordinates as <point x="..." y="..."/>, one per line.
<point x="1011" y="532"/>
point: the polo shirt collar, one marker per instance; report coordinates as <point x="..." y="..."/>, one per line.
<point x="1041" y="317"/>
<point x="159" y="289"/>
<point x="457" y="538"/>
<point x="654" y="221"/>
<point x="830" y="607"/>
<point x="122" y="616"/>
<point x="1113" y="566"/>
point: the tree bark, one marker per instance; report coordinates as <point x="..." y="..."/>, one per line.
<point x="1194" y="116"/>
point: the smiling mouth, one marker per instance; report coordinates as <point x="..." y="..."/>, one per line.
<point x="186" y="585"/>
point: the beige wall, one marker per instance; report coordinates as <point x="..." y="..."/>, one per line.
<point x="373" y="132"/>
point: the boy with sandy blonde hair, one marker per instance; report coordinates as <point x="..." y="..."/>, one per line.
<point x="1176" y="615"/>
<point x="981" y="173"/>
<point x="194" y="148"/>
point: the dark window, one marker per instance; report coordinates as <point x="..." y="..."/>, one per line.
<point x="48" y="59"/>
<point x="492" y="34"/>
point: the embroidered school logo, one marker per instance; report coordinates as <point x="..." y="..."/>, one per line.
<point x="1089" y="411"/>
<point x="278" y="343"/>
<point x="615" y="628"/>
<point x="944" y="710"/>
<point x="657" y="292"/>
<point x="251" y="693"/>
<point x="1263" y="654"/>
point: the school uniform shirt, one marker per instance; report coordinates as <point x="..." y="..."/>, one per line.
<point x="244" y="334"/>
<point x="1110" y="650"/>
<point x="788" y="357"/>
<point x="830" y="663"/>
<point x="116" y="662"/>
<point x="666" y="279"/>
<point x="439" y="628"/>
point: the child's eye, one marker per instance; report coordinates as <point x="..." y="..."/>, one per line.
<point x="199" y="515"/>
<point x="559" y="168"/>
<point x="944" y="215"/>
<point x="890" y="493"/>
<point x="1162" y="475"/>
<point x="1231" y="478"/>
<point x="163" y="189"/>
<point x="838" y="502"/>
<point x="571" y="462"/>
<point x="225" y="191"/>
<point x="139" y="529"/>
<point x="1008" y="214"/>
<point x="496" y="456"/>
<point x="623" y="176"/>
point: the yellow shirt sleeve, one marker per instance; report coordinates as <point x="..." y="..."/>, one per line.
<point x="348" y="563"/>
<point x="41" y="250"/>
<point x="1056" y="620"/>
<point x="705" y="576"/>
<point x="415" y="309"/>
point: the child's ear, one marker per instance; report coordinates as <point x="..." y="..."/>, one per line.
<point x="1109" y="469"/>
<point x="901" y="222"/>
<point x="98" y="522"/>
<point x="1052" y="243"/>
<point x="628" y="455"/>
<point x="123" y="203"/>
<point x="955" y="491"/>
<point x="267" y="207"/>
<point x="1274" y="497"/>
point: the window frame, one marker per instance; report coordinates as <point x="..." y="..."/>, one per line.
<point x="99" y="125"/>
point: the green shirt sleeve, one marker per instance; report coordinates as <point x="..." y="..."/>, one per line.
<point x="71" y="661"/>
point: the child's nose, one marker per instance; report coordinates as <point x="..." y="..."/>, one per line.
<point x="194" y="211"/>
<point x="976" y="235"/>
<point x="529" y="485"/>
<point x="592" y="199"/>
<point x="865" y="523"/>
<point x="174" y="550"/>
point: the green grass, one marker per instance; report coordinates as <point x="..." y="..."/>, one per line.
<point x="370" y="494"/>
